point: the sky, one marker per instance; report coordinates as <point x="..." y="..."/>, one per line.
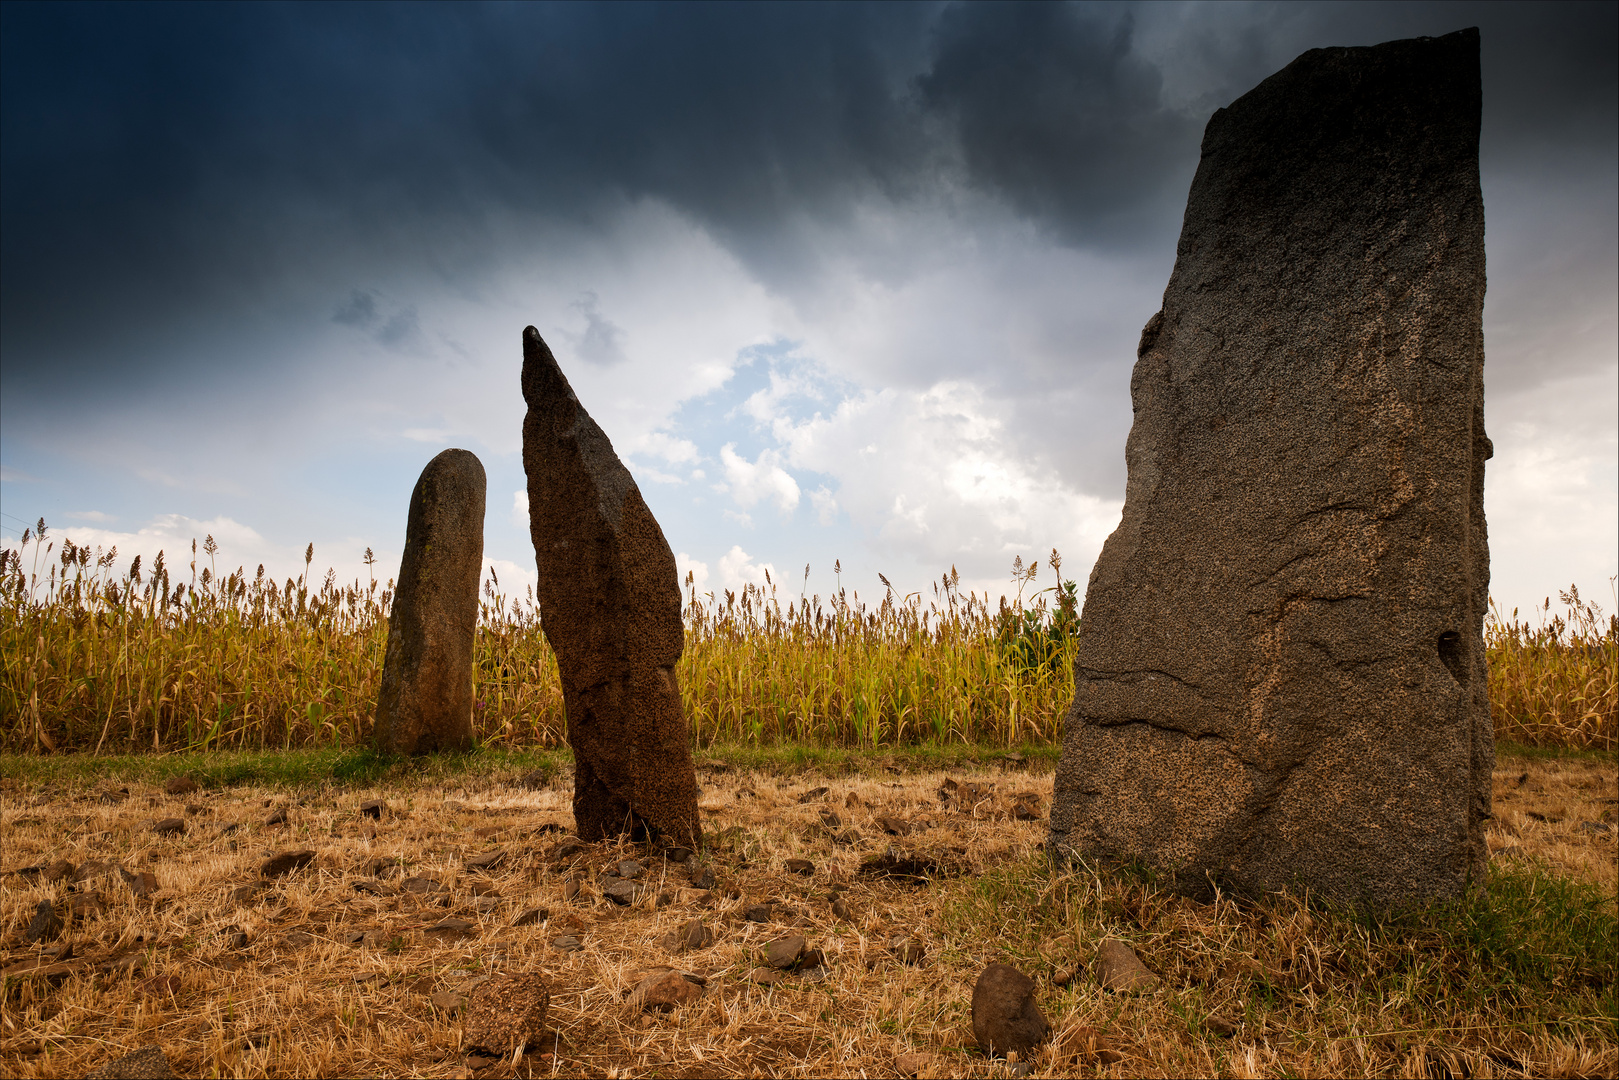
<point x="846" y="285"/>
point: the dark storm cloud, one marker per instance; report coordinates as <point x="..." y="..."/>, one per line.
<point x="1054" y="111"/>
<point x="162" y="163"/>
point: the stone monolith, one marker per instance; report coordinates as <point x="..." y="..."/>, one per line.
<point x="424" y="704"/>
<point x="610" y="607"/>
<point x="1280" y="677"/>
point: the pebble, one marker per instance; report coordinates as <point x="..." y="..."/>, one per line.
<point x="784" y="953"/>
<point x="285" y="862"/>
<point x="171" y="826"/>
<point x="1120" y="970"/>
<point x="505" y="1013"/>
<point x="46" y="925"/>
<point x="1004" y="1014"/>
<point x="801" y="866"/>
<point x="180" y="785"/>
<point x="665" y="991"/>
<point x="451" y="930"/>
<point x="147" y="1063"/>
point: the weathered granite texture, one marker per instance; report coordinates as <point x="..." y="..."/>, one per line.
<point x="610" y="607"/>
<point x="1280" y="679"/>
<point x="424" y="704"/>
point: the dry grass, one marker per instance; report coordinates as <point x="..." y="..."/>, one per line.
<point x="1304" y="990"/>
<point x="119" y="663"/>
<point x="1556" y="683"/>
<point x="96" y="661"/>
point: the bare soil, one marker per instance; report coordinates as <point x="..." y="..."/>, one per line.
<point x="334" y="969"/>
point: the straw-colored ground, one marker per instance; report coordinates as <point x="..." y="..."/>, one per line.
<point x="336" y="980"/>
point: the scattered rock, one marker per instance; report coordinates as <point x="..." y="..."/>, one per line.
<point x="1005" y="1016"/>
<point x="446" y="1001"/>
<point x="1082" y="1046"/>
<point x="765" y="976"/>
<point x="372" y="888"/>
<point x="757" y="913"/>
<point x="143" y="884"/>
<point x="567" y="943"/>
<point x="486" y="905"/>
<point x="1118" y="968"/>
<point x="665" y="991"/>
<point x="913" y="1064"/>
<point x="487" y="861"/>
<point x="46" y="925"/>
<point x="1600" y="828"/>
<point x="570" y="890"/>
<point x="235" y="937"/>
<point x="147" y="1063"/>
<point x="801" y="866"/>
<point x="1027" y="808"/>
<point x="785" y="953"/>
<point x="170" y="826"/>
<point x="424" y="698"/>
<point x="702" y="877"/>
<point x="374" y="808"/>
<point x="893" y="826"/>
<point x="531" y="917"/>
<point x="277" y="818"/>
<point x="689" y="935"/>
<point x="481" y="886"/>
<point x="60" y="870"/>
<point x="86" y="906"/>
<point x="840" y="909"/>
<point x="611" y="596"/>
<point x="830" y="818"/>
<point x="451" y="930"/>
<point x="629" y="869"/>
<point x="285" y="862"/>
<point x="179" y="786"/>
<point x="246" y="894"/>
<point x="1222" y="1026"/>
<point x="505" y="1014"/>
<point x="422" y="885"/>
<point x="624" y="892"/>
<point x="907" y="950"/>
<point x="95" y="868"/>
<point x="678" y="854"/>
<point x="160" y="986"/>
<point x="814" y="794"/>
<point x="569" y="848"/>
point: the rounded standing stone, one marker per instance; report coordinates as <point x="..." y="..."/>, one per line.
<point x="424" y="704"/>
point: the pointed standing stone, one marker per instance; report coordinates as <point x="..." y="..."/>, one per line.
<point x="424" y="704"/>
<point x="610" y="607"/>
<point x="1280" y="677"/>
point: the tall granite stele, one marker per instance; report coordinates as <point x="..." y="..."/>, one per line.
<point x="610" y="607"/>
<point x="424" y="704"/>
<point x="1280" y="680"/>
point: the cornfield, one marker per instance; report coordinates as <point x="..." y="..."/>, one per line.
<point x="116" y="662"/>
